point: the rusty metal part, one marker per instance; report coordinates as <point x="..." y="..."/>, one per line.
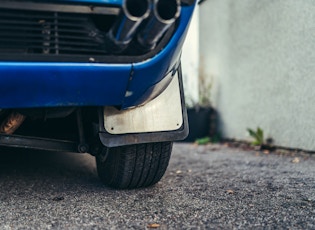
<point x="12" y="123"/>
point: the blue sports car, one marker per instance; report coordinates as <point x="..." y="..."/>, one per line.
<point x="96" y="76"/>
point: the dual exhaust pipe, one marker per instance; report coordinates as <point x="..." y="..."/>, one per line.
<point x="143" y="22"/>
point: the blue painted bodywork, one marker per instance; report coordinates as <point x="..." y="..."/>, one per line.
<point x="39" y="84"/>
<point x="109" y="2"/>
<point x="25" y="85"/>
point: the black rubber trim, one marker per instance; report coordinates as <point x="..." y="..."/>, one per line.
<point x="110" y="140"/>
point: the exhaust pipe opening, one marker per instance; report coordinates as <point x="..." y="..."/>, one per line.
<point x="136" y="8"/>
<point x="167" y="9"/>
<point x="133" y="12"/>
<point x="165" y="13"/>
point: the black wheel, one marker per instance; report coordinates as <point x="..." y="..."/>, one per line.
<point x="133" y="166"/>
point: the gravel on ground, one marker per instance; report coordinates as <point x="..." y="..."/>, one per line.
<point x="205" y="187"/>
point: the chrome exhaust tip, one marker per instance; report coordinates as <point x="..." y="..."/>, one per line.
<point x="132" y="14"/>
<point x="163" y="15"/>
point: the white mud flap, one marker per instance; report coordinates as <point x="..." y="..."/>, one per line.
<point x="163" y="113"/>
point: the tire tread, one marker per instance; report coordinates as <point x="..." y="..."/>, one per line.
<point x="135" y="166"/>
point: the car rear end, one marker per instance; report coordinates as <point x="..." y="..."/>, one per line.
<point x="92" y="75"/>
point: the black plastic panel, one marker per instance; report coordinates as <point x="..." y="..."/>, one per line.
<point x="51" y="33"/>
<point x="43" y="33"/>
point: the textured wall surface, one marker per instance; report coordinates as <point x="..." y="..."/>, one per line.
<point x="261" y="57"/>
<point x="190" y="61"/>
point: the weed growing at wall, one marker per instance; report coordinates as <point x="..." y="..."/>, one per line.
<point x="257" y="135"/>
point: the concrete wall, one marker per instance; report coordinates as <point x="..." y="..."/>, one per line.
<point x="261" y="57"/>
<point x="190" y="61"/>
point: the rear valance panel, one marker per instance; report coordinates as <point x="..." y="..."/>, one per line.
<point x="31" y="85"/>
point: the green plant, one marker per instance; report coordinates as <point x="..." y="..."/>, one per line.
<point x="207" y="140"/>
<point x="203" y="141"/>
<point x="258" y="136"/>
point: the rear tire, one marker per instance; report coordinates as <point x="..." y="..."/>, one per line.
<point x="133" y="166"/>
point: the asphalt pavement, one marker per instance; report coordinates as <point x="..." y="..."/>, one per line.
<point x="205" y="187"/>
